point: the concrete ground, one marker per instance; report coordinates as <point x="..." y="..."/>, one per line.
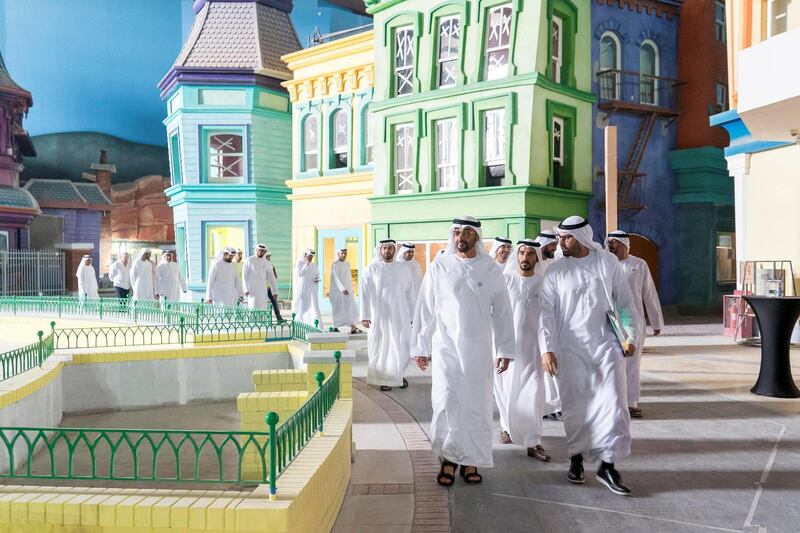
<point x="707" y="456"/>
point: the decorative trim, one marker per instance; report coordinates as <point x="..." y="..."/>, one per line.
<point x="659" y="8"/>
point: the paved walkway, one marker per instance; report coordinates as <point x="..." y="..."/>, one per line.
<point x="708" y="456"/>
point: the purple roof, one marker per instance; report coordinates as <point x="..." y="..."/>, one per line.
<point x="8" y="85"/>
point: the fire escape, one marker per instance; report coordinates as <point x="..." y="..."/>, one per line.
<point x="649" y="97"/>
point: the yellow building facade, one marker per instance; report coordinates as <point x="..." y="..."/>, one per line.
<point x="332" y="152"/>
<point x="763" y="37"/>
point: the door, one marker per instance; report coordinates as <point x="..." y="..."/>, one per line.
<point x="330" y="241"/>
<point x="647" y="250"/>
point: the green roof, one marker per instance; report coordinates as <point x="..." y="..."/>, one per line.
<point x="14" y="197"/>
<point x="46" y="191"/>
<point x="92" y="193"/>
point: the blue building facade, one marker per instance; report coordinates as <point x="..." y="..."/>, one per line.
<point x="635" y="65"/>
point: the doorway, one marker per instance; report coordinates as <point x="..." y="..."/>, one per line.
<point x="648" y="250"/>
<point x="330" y="241"/>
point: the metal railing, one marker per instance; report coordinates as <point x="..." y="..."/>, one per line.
<point x="150" y="311"/>
<point x="156" y="455"/>
<point x="30" y="272"/>
<point x="621" y="88"/>
<point x="22" y="359"/>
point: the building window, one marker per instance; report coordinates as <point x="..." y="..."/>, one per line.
<point x="777" y="17"/>
<point x="498" y="42"/>
<point x="5" y="241"/>
<point x="218" y="236"/>
<point x="404" y="158"/>
<point x="494" y="148"/>
<point x="726" y="257"/>
<point x="557" y="158"/>
<point x="175" y="157"/>
<point x="310" y="144"/>
<point x="610" y="66"/>
<point x="648" y="73"/>
<point x="722" y="97"/>
<point x="340" y="135"/>
<point x="369" y="143"/>
<point x="557" y="36"/>
<point x="446" y="155"/>
<point x="182" y="257"/>
<point x="404" y="61"/>
<point x="225" y="157"/>
<point x="719" y="20"/>
<point x="449" y="35"/>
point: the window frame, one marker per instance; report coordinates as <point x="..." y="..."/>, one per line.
<point x="561" y="158"/>
<point x="7" y="235"/>
<point x="568" y="116"/>
<point x="332" y="153"/>
<point x="454" y="150"/>
<point x="183" y="266"/>
<point x="717" y="246"/>
<point x="175" y="159"/>
<point x="656" y="66"/>
<point x="720" y="24"/>
<point x="388" y="140"/>
<point x="303" y="152"/>
<point x="205" y="226"/>
<point x="508" y="103"/>
<point x="437" y="48"/>
<point x="207" y="131"/>
<point x="722" y="104"/>
<point x="508" y="47"/>
<point x="367" y="133"/>
<point x="412" y="67"/>
<point x="412" y="168"/>
<point x="557" y="57"/>
<point x="618" y="64"/>
<point x="771" y="18"/>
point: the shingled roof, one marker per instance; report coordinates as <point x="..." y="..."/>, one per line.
<point x="65" y="194"/>
<point x="7" y="83"/>
<point x="17" y="198"/>
<point x="236" y="37"/>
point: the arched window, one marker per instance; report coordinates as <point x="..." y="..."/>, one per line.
<point x="610" y="66"/>
<point x="648" y="73"/>
<point x="369" y="143"/>
<point x="340" y="135"/>
<point x="310" y="140"/>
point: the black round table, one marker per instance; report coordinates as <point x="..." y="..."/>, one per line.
<point x="776" y="320"/>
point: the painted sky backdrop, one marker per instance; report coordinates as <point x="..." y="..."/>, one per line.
<point x="93" y="65"/>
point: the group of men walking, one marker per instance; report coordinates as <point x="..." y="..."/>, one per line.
<point x="549" y="326"/>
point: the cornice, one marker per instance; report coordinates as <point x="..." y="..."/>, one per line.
<point x="346" y="80"/>
<point x="658" y="8"/>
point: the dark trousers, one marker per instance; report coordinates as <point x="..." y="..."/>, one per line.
<point x="121" y="293"/>
<point x="274" y="303"/>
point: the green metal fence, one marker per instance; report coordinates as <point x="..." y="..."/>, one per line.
<point x="27" y="357"/>
<point x="131" y="454"/>
<point x="152" y="311"/>
<point x="168" y="455"/>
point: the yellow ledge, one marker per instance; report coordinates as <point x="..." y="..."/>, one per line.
<point x="176" y="352"/>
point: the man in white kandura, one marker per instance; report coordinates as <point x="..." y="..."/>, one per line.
<point x="306" y="298"/>
<point x="644" y="290"/>
<point x="224" y="285"/>
<point x="169" y="282"/>
<point x="500" y="250"/>
<point x="143" y="275"/>
<point x="463" y="316"/>
<point x="385" y="310"/>
<point x="548" y="241"/>
<point x="520" y="398"/>
<point x="87" y="279"/>
<point x="258" y="277"/>
<point x="581" y="294"/>
<point x="342" y="294"/>
<point x="405" y="256"/>
<point x="120" y="275"/>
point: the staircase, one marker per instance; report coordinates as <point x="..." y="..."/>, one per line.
<point x="629" y="173"/>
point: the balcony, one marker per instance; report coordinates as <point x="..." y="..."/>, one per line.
<point x="630" y="191"/>
<point x="769" y="88"/>
<point x="620" y="90"/>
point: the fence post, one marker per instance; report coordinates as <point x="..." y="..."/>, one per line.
<point x="320" y="377"/>
<point x="338" y="355"/>
<point x="99" y="306"/>
<point x="272" y="420"/>
<point x="293" y="327"/>
<point x="135" y="311"/>
<point x="40" y="334"/>
<point x="316" y="324"/>
<point x="182" y="331"/>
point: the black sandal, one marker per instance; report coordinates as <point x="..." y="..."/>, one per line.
<point x="384" y="388"/>
<point x="405" y="384"/>
<point x="444" y="479"/>
<point x="471" y="478"/>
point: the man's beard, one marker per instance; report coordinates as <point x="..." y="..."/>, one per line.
<point x="549" y="255"/>
<point x="228" y="260"/>
<point x="524" y="266"/>
<point x="463" y="246"/>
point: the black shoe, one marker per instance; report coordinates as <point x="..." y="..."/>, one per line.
<point x="608" y="476"/>
<point x="558" y="416"/>
<point x="575" y="473"/>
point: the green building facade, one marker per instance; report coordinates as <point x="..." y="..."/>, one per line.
<point x="484" y="108"/>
